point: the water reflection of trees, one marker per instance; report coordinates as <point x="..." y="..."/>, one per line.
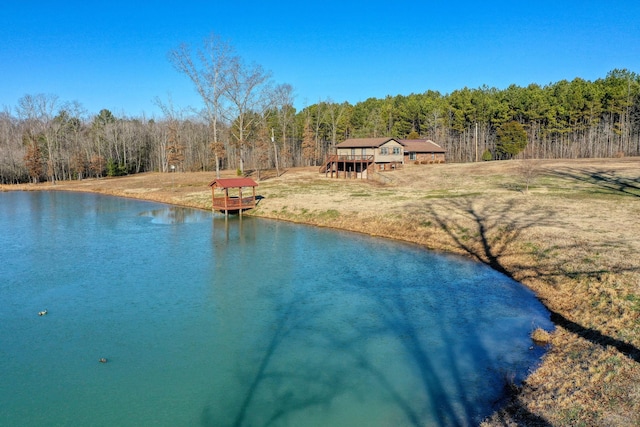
<point x="338" y="360"/>
<point x="176" y="215"/>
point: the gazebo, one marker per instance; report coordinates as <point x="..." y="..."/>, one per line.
<point x="235" y="202"/>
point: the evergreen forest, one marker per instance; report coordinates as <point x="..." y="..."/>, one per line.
<point x="45" y="139"/>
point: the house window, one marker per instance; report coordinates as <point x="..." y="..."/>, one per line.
<point x="384" y="151"/>
<point x="412" y="156"/>
<point x="396" y="150"/>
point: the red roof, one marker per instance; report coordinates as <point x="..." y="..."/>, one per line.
<point x="232" y="183"/>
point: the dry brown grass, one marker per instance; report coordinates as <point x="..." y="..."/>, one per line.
<point x="541" y="336"/>
<point x="573" y="237"/>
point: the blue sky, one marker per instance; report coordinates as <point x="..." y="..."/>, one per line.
<point x="114" y="54"/>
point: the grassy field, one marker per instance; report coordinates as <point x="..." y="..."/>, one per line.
<point x="573" y="237"/>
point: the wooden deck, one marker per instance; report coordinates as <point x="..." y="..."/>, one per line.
<point x="347" y="166"/>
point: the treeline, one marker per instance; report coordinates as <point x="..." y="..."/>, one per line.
<point x="42" y="138"/>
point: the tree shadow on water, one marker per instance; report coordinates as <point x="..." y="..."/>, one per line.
<point x="272" y="387"/>
<point x="365" y="346"/>
<point x="498" y="229"/>
<point x="445" y="366"/>
<point x="316" y="353"/>
<point x="492" y="250"/>
<point x="397" y="323"/>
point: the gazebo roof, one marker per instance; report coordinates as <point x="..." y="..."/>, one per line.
<point x="232" y="183"/>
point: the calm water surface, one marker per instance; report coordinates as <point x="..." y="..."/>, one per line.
<point x="242" y="323"/>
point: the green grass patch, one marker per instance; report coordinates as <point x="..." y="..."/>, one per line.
<point x="635" y="301"/>
<point x="614" y="361"/>
<point x="449" y="195"/>
<point x="538" y="252"/>
<point x="571" y="416"/>
<point x="329" y="214"/>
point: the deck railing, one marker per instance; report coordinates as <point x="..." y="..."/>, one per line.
<point x="334" y="159"/>
<point x="233" y="203"/>
<point x="350" y="158"/>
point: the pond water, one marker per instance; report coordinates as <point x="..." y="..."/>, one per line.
<point x="213" y="322"/>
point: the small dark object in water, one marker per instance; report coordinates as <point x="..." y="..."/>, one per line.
<point x="43" y="312"/>
<point x="102" y="360"/>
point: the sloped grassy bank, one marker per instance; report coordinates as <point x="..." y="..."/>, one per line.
<point x="573" y="237"/>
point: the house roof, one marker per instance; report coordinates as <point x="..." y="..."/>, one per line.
<point x="364" y="142"/>
<point x="232" y="183"/>
<point x="421" y="146"/>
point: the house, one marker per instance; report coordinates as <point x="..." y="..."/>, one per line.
<point x="422" y="151"/>
<point x="354" y="157"/>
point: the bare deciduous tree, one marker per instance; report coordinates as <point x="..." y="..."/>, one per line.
<point x="247" y="90"/>
<point x="335" y="113"/>
<point x="171" y="150"/>
<point x="283" y="103"/>
<point x="33" y="157"/>
<point x="309" y="152"/>
<point x="38" y="111"/>
<point x="261" y="147"/>
<point x="12" y="150"/>
<point x="208" y="69"/>
<point x="528" y="170"/>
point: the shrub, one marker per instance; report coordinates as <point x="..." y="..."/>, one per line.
<point x="115" y="169"/>
<point x="540" y="336"/>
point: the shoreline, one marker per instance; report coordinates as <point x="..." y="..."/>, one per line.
<point x="572" y="239"/>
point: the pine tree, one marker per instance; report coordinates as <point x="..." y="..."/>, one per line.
<point x="512" y="139"/>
